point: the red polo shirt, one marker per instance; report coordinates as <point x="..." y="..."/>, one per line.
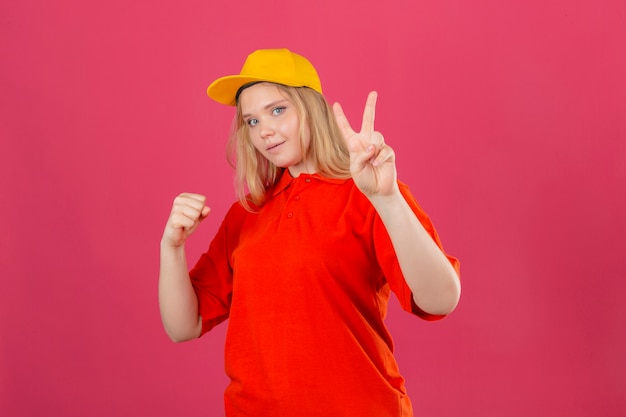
<point x="304" y="283"/>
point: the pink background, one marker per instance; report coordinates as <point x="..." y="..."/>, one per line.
<point x="509" y="122"/>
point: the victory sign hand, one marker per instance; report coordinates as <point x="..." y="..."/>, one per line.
<point x="372" y="162"/>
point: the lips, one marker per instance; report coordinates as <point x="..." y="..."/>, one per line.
<point x="273" y="146"/>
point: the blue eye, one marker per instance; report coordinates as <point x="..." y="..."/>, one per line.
<point x="252" y="122"/>
<point x="278" y="110"/>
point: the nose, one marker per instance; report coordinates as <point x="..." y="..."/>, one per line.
<point x="266" y="129"/>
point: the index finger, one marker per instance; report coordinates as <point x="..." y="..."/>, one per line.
<point x="193" y="196"/>
<point x="197" y="201"/>
<point x="342" y="121"/>
<point x="369" y="114"/>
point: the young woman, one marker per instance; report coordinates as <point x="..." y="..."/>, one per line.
<point x="303" y="264"/>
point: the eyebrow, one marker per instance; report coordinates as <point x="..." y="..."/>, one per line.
<point x="267" y="106"/>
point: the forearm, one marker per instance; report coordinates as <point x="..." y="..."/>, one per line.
<point x="177" y="300"/>
<point x="430" y="276"/>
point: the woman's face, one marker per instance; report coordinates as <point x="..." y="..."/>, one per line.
<point x="274" y="127"/>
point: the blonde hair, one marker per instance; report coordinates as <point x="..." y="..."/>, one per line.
<point x="255" y="175"/>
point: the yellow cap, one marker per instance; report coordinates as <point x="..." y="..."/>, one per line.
<point x="279" y="66"/>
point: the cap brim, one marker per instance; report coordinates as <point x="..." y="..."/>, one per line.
<point x="224" y="89"/>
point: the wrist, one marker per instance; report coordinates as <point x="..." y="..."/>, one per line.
<point x="394" y="196"/>
<point x="168" y="245"/>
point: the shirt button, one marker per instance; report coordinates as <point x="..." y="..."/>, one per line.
<point x="307" y="180"/>
<point x="290" y="215"/>
<point x="297" y="198"/>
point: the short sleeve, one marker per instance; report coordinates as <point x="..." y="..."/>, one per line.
<point x="212" y="274"/>
<point x="389" y="263"/>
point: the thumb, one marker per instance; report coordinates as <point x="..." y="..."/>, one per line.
<point x="204" y="213"/>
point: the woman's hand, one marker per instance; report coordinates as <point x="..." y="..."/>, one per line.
<point x="372" y="162"/>
<point x="188" y="211"/>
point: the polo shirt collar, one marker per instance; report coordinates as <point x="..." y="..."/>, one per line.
<point x="286" y="180"/>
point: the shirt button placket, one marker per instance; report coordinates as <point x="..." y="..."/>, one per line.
<point x="290" y="214"/>
<point x="297" y="198"/>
